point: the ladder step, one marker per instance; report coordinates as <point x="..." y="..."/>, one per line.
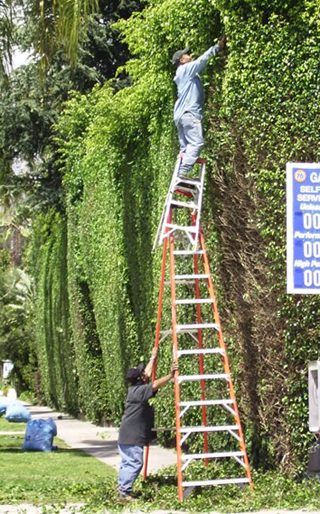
<point x="215" y="376"/>
<point x="188" y="252"/>
<point x="215" y="455"/>
<point x="187" y="180"/>
<point x="191" y="301"/>
<point x="201" y="351"/>
<point x="188" y="205"/>
<point x="220" y="481"/>
<point x="221" y="428"/>
<point x="199" y="403"/>
<point x="186" y="189"/>
<point x="187" y="228"/>
<point x="196" y="326"/>
<point x="191" y="276"/>
<point x="184" y="282"/>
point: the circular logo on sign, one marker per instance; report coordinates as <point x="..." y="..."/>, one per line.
<point x="300" y="175"/>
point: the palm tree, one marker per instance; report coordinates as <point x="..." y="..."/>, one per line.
<point x="61" y="23"/>
<point x="6" y="36"/>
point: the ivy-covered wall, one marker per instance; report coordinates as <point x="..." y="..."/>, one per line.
<point x="117" y="156"/>
<point x="58" y="375"/>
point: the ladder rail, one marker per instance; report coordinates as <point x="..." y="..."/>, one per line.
<point x="201" y="356"/>
<point x="175" y="359"/>
<point x="226" y="364"/>
<point x="198" y="216"/>
<point x="157" y="337"/>
<point x="166" y="208"/>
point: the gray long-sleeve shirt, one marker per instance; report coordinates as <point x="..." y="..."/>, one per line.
<point x="190" y="89"/>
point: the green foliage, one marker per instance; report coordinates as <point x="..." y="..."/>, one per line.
<point x="16" y="325"/>
<point x="31" y="184"/>
<point x="256" y="126"/>
<point x="114" y="200"/>
<point x="117" y="150"/>
<point x="271" y="491"/>
<point x="53" y="343"/>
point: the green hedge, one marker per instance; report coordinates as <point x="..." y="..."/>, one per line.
<point x="117" y="155"/>
<point x="58" y="375"/>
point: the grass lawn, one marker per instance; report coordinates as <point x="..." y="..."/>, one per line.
<point x="68" y="475"/>
<point x="5" y="426"/>
<point x="46" y="477"/>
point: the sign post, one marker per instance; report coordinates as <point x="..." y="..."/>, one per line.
<point x="303" y="228"/>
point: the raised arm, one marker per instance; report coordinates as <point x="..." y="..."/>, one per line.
<point x="161" y="382"/>
<point x="149" y="366"/>
<point x="198" y="65"/>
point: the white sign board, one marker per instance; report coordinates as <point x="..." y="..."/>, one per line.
<point x="303" y="228"/>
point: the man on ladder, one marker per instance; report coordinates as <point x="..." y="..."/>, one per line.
<point x="188" y="109"/>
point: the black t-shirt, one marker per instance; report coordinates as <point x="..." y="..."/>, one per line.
<point x="137" y="420"/>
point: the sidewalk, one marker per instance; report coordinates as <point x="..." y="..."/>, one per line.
<point x="100" y="442"/>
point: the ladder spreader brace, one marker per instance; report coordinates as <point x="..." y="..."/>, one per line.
<point x="184" y="247"/>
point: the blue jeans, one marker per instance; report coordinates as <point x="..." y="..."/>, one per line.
<point x="190" y="139"/>
<point x="130" y="466"/>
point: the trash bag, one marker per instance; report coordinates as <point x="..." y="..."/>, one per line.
<point x="3" y="408"/>
<point x="39" y="435"/>
<point x="17" y="412"/>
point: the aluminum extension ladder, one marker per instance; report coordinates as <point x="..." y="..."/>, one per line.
<point x="208" y="416"/>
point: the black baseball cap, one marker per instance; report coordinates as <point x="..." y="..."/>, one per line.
<point x="133" y="374"/>
<point x="177" y="55"/>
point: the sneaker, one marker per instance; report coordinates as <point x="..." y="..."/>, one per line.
<point x="125" y="498"/>
<point x="184" y="176"/>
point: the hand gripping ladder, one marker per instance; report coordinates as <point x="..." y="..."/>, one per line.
<point x="192" y="190"/>
<point x="207" y="414"/>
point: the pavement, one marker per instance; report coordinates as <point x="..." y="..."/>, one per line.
<point x="100" y="442"/>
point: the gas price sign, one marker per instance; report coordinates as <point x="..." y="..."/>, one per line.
<point x="303" y="228"/>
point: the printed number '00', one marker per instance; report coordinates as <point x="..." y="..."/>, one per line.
<point x="311" y="278"/>
<point x="311" y="220"/>
<point x="311" y="249"/>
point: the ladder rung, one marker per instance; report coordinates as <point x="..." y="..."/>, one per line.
<point x="220" y="428"/>
<point x="187" y="189"/>
<point x="220" y="481"/>
<point x="188" y="180"/>
<point x="188" y="252"/>
<point x="199" y="403"/>
<point x="187" y="228"/>
<point x="169" y="331"/>
<point x="192" y="301"/>
<point x="201" y="351"/>
<point x="196" y="326"/>
<point x="215" y="455"/>
<point x="178" y="203"/>
<point x="191" y="276"/>
<point x="184" y="282"/>
<point x="215" y="376"/>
